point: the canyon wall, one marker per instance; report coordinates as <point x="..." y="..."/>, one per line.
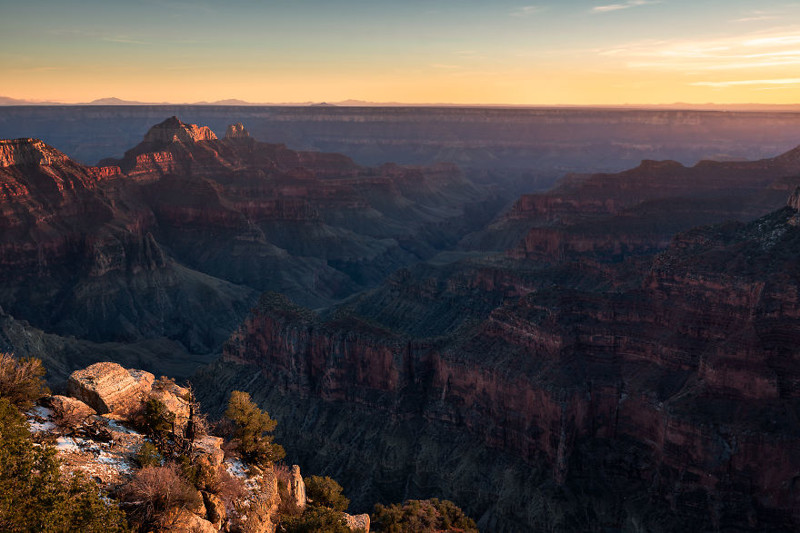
<point x="663" y="395"/>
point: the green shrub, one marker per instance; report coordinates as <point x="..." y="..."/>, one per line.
<point x="35" y="497"/>
<point x="158" y="421"/>
<point x="21" y="380"/>
<point x="421" y="516"/>
<point x="252" y="428"/>
<point x="326" y="492"/>
<point x="315" y="520"/>
<point x="148" y="455"/>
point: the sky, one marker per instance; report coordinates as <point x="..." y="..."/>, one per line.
<point x="567" y="52"/>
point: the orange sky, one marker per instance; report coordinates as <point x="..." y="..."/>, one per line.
<point x="447" y="51"/>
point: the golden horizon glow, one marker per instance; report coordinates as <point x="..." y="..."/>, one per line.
<point x="634" y="52"/>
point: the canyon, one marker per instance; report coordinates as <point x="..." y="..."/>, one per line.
<point x="599" y="372"/>
<point x="616" y="353"/>
<point x="168" y="247"/>
<point x="570" y="397"/>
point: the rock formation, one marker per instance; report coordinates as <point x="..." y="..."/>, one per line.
<point x="109" y="388"/>
<point x="28" y="152"/>
<point x="104" y="447"/>
<point x="237" y="131"/>
<point x="297" y="488"/>
<point x="173" y="130"/>
<point x="358" y="522"/>
<point x="637" y="211"/>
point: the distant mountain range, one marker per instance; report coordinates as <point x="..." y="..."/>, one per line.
<point x="114" y="101"/>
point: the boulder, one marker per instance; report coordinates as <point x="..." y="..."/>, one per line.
<point x="210" y="447"/>
<point x="109" y="388"/>
<point x="175" y="398"/>
<point x="183" y="521"/>
<point x="359" y="522"/>
<point x="69" y="410"/>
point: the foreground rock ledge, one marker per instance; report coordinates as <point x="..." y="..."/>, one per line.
<point x="110" y="388"/>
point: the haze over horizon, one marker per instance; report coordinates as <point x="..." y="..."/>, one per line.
<point x="576" y="52"/>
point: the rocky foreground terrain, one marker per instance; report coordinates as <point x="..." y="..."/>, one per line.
<point x="95" y="433"/>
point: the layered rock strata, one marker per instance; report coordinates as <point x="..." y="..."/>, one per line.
<point x="110" y="388"/>
<point x="663" y="389"/>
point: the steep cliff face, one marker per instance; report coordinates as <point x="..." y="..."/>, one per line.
<point x="661" y="390"/>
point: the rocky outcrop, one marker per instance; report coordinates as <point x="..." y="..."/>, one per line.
<point x="358" y="522"/>
<point x="177" y="400"/>
<point x="297" y="488"/>
<point x="105" y="447"/>
<point x="109" y="388"/>
<point x="237" y="131"/>
<point x="28" y="152"/>
<point x="209" y="448"/>
<point x="259" y="510"/>
<point x="173" y="130"/>
<point x="637" y="211"/>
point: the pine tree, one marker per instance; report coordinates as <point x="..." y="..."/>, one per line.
<point x="253" y="428"/>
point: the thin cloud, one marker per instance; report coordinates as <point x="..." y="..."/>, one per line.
<point x="773" y="41"/>
<point x="527" y="11"/>
<point x="756" y="18"/>
<point x="773" y="48"/>
<point x="722" y="84"/>
<point x="627" y="5"/>
<point x="123" y="40"/>
<point x="760" y="15"/>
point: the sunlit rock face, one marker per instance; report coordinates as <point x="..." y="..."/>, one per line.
<point x="173" y="130"/>
<point x="28" y="152"/>
<point x="237" y="131"/>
